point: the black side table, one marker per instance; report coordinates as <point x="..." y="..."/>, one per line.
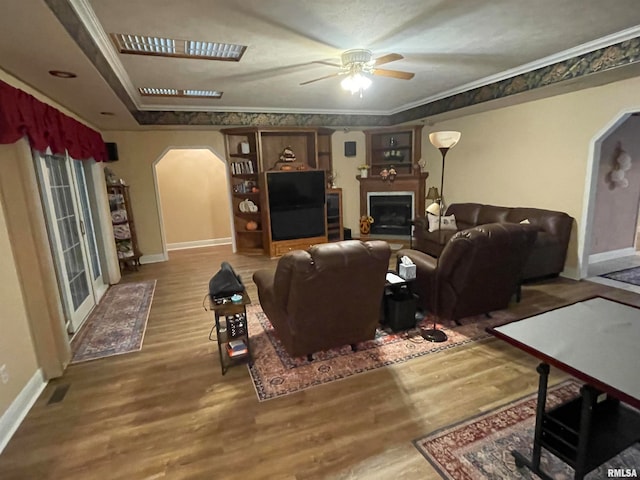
<point x="231" y="327"/>
<point x="399" y="305"/>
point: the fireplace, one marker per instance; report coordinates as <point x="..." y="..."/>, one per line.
<point x="411" y="186"/>
<point x="392" y="212"/>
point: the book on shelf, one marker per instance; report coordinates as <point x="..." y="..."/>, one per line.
<point x="236" y="348"/>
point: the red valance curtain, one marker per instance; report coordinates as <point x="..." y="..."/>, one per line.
<point x="22" y="115"/>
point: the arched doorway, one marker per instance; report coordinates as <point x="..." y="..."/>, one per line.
<point x="610" y="218"/>
<point x="192" y="191"/>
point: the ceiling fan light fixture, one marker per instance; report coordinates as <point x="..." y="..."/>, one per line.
<point x="356" y="82"/>
<point x="356" y="56"/>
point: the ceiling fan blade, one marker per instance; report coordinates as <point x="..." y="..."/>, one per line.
<point x="391" y="57"/>
<point x="328" y="63"/>
<point x="393" y="74"/>
<point x="321" y="78"/>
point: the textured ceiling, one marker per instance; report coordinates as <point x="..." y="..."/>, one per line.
<point x="452" y="46"/>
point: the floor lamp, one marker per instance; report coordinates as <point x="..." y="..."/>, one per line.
<point x="443" y="141"/>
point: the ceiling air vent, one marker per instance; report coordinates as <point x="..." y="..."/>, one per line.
<point x="169" y="47"/>
<point x="178" y="92"/>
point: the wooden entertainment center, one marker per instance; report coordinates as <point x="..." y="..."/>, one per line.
<point x="252" y="153"/>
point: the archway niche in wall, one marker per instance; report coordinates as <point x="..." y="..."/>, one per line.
<point x="194" y="202"/>
<point x="610" y="213"/>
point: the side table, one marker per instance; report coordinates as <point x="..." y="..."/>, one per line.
<point x="232" y="328"/>
<point x="399" y="303"/>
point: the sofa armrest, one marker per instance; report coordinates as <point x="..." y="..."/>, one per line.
<point x="422" y="260"/>
<point x="424" y="283"/>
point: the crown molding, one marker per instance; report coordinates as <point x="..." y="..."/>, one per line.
<point x="299" y="111"/>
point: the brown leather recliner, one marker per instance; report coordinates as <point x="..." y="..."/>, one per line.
<point x="478" y="271"/>
<point x="325" y="297"/>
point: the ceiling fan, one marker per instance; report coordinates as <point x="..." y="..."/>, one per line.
<point x="358" y="65"/>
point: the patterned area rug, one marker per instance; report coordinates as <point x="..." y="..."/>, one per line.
<point x="275" y="373"/>
<point x="480" y="448"/>
<point x="628" y="275"/>
<point x="117" y="324"/>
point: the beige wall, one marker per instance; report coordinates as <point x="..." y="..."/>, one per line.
<point x="138" y="151"/>
<point x="346" y="168"/>
<point x="194" y="195"/>
<point x="616" y="209"/>
<point x="16" y="348"/>
<point x="535" y="154"/>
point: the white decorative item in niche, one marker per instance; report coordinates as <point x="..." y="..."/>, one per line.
<point x="621" y="164"/>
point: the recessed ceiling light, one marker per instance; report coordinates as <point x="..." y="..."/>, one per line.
<point x="62" y="74"/>
<point x="178" y="92"/>
<point x="169" y="47"/>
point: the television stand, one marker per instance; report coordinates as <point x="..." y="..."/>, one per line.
<point x="278" y="248"/>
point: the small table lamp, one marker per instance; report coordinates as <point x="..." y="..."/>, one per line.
<point x="433" y="195"/>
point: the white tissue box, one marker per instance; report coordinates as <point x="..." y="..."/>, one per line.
<point x="408" y="272"/>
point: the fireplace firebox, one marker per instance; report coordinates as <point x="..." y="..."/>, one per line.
<point x="392" y="212"/>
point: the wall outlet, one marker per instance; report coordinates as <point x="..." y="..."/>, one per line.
<point x="4" y="375"/>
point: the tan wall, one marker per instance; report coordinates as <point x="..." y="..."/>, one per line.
<point x="535" y="154"/>
<point x="194" y="194"/>
<point x="16" y="348"/>
<point x="346" y="168"/>
<point x="138" y="151"/>
<point x="616" y="209"/>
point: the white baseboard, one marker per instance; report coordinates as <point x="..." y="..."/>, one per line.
<point x="570" y="273"/>
<point x="13" y="417"/>
<point x="199" y="243"/>
<point x="612" y="255"/>
<point x="156" y="258"/>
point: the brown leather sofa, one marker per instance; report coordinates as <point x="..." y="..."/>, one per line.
<point x="478" y="271"/>
<point x="549" y="252"/>
<point x="325" y="297"/>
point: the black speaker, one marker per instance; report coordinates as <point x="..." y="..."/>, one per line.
<point x="112" y="151"/>
<point x="349" y="149"/>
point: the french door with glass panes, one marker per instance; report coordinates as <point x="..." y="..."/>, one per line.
<point x="72" y="237"/>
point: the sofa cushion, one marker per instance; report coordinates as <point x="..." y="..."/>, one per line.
<point x="493" y="214"/>
<point x="466" y="214"/>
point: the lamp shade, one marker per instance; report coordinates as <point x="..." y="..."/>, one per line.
<point x="434" y="209"/>
<point x="433" y="194"/>
<point x="444" y="139"/>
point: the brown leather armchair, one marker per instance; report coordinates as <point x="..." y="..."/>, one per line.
<point x="478" y="271"/>
<point x="325" y="297"/>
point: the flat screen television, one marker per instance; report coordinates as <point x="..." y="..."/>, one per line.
<point x="296" y="204"/>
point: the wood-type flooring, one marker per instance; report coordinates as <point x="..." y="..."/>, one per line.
<point x="167" y="411"/>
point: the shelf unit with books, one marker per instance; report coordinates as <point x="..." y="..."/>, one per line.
<point x="252" y="151"/>
<point x="124" y="230"/>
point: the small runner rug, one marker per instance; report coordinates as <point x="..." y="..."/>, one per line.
<point x="480" y="448"/>
<point x="275" y="373"/>
<point x="117" y="324"/>
<point x="628" y="275"/>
